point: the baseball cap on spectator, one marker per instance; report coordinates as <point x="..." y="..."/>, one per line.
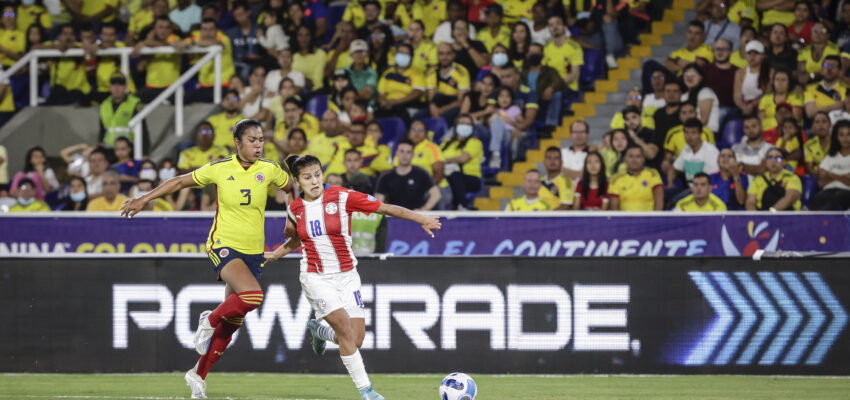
<point x="117" y="79"/>
<point x="783" y="104"/>
<point x="755" y="45"/>
<point x="748" y="14"/>
<point x="493" y="8"/>
<point x="358" y="45"/>
<point x="341" y="73"/>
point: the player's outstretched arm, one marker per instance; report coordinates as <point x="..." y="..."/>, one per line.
<point x="292" y="244"/>
<point x="132" y="207"/>
<point x="429" y="224"/>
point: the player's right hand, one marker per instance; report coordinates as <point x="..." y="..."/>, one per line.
<point x="270" y="256"/>
<point x="132" y="207"/>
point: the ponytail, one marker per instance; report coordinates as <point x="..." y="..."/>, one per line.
<point x="295" y="163"/>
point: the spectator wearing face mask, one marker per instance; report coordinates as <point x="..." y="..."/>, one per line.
<point x="26" y="198"/>
<point x="464" y="154"/>
<point x="400" y="87"/>
<point x="77" y="198"/>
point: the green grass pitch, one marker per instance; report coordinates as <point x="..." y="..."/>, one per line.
<point x="422" y="387"/>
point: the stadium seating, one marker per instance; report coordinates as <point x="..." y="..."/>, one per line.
<point x="317" y="105"/>
<point x="732" y="133"/>
<point x="438" y="126"/>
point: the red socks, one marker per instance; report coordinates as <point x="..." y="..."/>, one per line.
<point x="221" y="338"/>
<point x="236" y="306"/>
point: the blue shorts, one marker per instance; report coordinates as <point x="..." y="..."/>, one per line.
<point x="221" y="256"/>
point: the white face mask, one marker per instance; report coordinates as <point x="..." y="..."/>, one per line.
<point x="147" y="174"/>
<point x="167" y="173"/>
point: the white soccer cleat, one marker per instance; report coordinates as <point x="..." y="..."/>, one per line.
<point x="611" y="61"/>
<point x="196" y="383"/>
<point x="204" y="333"/>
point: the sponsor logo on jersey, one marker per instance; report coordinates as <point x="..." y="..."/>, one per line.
<point x="331" y="208"/>
<point x="260" y="177"/>
<point x="224" y="253"/>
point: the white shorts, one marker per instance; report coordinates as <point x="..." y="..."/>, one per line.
<point x="330" y="292"/>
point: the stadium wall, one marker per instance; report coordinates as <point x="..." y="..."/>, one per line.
<point x="464" y="233"/>
<point x="493" y="315"/>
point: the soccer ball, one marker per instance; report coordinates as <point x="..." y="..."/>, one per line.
<point x="458" y="386"/>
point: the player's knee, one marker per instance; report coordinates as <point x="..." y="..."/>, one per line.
<point x="346" y="335"/>
<point x="251" y="300"/>
<point x="359" y="340"/>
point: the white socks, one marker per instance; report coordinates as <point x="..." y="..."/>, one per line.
<point x="326" y="332"/>
<point x="356" y="369"/>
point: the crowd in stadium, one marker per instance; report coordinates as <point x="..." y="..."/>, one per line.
<point x="421" y="102"/>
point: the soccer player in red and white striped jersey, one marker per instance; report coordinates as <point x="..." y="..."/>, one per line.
<point x="321" y="221"/>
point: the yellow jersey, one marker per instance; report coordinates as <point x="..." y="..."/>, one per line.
<point x="163" y="69"/>
<point x="458" y="80"/>
<point x="704" y="51"/>
<point x="101" y="204"/>
<point x="768" y="105"/>
<point x="106" y="66"/>
<point x="738" y="61"/>
<point x="7" y="103"/>
<point x="524" y="204"/>
<point x="787" y="179"/>
<point x="36" y="206"/>
<point x="373" y="161"/>
<point x="431" y="14"/>
<point x="561" y="190"/>
<point x="821" y="96"/>
<point x="635" y="192"/>
<point x="70" y="73"/>
<point x="206" y="76"/>
<point x="91" y="8"/>
<point x="223" y="128"/>
<point x="343" y="61"/>
<point x="241" y="202"/>
<point x="309" y="124"/>
<point x="424" y="55"/>
<point x="813" y="152"/>
<point x="472" y="146"/>
<point x="674" y="142"/>
<point x="559" y="58"/>
<point x="139" y="20"/>
<point x="12" y="40"/>
<point x="312" y="66"/>
<point x="771" y="17"/>
<point x="792" y="145"/>
<point x="425" y="154"/>
<point x="194" y="157"/>
<point x="395" y="85"/>
<point x="490" y="40"/>
<point x="354" y="12"/>
<point x="746" y="9"/>
<point x="28" y="15"/>
<point x="813" y="66"/>
<point x="646" y="119"/>
<point x="324" y="147"/>
<point x="690" y="204"/>
<point x="516" y="10"/>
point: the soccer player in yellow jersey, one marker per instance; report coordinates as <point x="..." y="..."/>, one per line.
<point x="639" y="188"/>
<point x="531" y="200"/>
<point x="236" y="241"/>
<point x="701" y="199"/>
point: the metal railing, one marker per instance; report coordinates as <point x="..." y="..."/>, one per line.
<point x="211" y="53"/>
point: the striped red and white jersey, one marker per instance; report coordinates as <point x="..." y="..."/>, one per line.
<point x="324" y="227"/>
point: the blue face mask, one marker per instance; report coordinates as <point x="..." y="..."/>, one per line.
<point x="402" y="60"/>
<point x="500" y="59"/>
<point x="78" y="197"/>
<point x="464" y="130"/>
<point x="25" y="202"/>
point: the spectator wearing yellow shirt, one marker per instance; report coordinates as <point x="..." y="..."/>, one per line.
<point x="781" y="92"/>
<point x="224" y="121"/>
<point x="293" y="117"/>
<point x="7" y="104"/>
<point x="209" y="35"/>
<point x="161" y="69"/>
<point x="446" y="86"/>
<point x="141" y="21"/>
<point x="426" y="154"/>
<point x="816" y="148"/>
<point x="68" y="81"/>
<point x="674" y="141"/>
<point x="101" y="10"/>
<point x="811" y="58"/>
<point x="325" y="144"/>
<point x="338" y="57"/>
<point x="107" y="66"/>
<point x="531" y="200"/>
<point x="116" y="111"/>
<point x="464" y="155"/>
<point x="308" y="59"/>
<point x="563" y="54"/>
<point x="430" y="12"/>
<point x="639" y="188"/>
<point x="111" y="199"/>
<point x="701" y="199"/>
<point x="400" y="87"/>
<point x="203" y="152"/>
<point x="12" y="41"/>
<point x="30" y="13"/>
<point x="555" y="182"/>
<point x="496" y="31"/>
<point x="158" y="204"/>
<point x="695" y="49"/>
<point x="424" y="50"/>
<point x="775" y="189"/>
<point x="26" y="198"/>
<point x="829" y="94"/>
<point x="373" y="163"/>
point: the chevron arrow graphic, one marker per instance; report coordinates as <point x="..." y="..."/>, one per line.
<point x="700" y="354"/>
<point x="748" y="317"/>
<point x="816" y="318"/>
<point x="793" y="318"/>
<point x="839" y="318"/>
<point x="770" y="317"/>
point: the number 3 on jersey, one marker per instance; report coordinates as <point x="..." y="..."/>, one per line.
<point x="246" y="193"/>
<point x="315" y="228"/>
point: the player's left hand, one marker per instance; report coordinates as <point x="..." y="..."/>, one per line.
<point x="431" y="223"/>
<point x="270" y="256"/>
<point x="132" y="207"/>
